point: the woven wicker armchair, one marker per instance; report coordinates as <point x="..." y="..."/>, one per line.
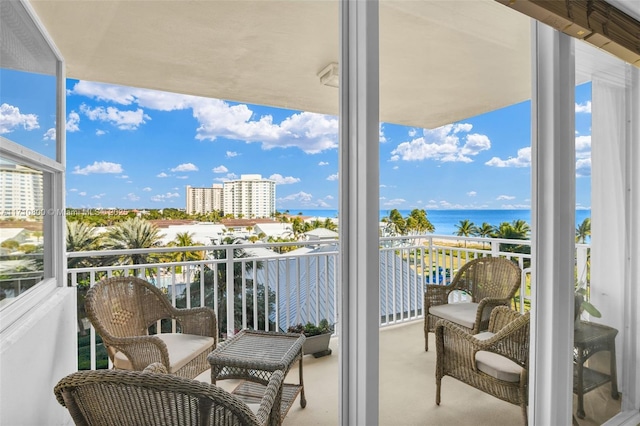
<point x="120" y="397"/>
<point x="490" y="281"/>
<point x="122" y="309"/>
<point x="495" y="362"/>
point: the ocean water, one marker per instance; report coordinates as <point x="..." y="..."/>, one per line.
<point x="445" y="221"/>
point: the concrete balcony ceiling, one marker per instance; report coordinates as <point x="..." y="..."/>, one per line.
<point x="439" y="61"/>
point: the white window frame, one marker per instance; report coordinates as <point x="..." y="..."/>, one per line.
<point x="54" y="225"/>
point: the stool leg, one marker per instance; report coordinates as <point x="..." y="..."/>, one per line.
<point x="612" y="370"/>
<point x="303" y="400"/>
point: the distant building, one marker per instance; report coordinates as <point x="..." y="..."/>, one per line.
<point x="20" y="192"/>
<point x="204" y="200"/>
<point x="250" y="197"/>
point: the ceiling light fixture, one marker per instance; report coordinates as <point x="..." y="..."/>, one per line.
<point x="329" y="75"/>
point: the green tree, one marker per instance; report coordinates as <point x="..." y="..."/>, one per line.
<point x="516" y="230"/>
<point x="132" y="234"/>
<point x="583" y="231"/>
<point x="417" y="221"/>
<point x="466" y="228"/>
<point x="184" y="239"/>
<point x="81" y="236"/>
<point x="485" y="231"/>
<point x="218" y="273"/>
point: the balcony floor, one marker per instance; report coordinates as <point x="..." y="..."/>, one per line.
<point x="407" y="389"/>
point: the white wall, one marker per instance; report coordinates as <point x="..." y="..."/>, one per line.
<point x="35" y="353"/>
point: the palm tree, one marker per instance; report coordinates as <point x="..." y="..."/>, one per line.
<point x="485" y="230"/>
<point x="185" y="239"/>
<point x="80" y="237"/>
<point x="418" y="221"/>
<point x="465" y="228"/>
<point x="583" y="231"/>
<point x="133" y="233"/>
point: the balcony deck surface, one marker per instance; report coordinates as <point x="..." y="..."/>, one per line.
<point x="407" y="389"/>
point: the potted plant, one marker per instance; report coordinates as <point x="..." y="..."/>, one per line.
<point x="581" y="303"/>
<point x="317" y="342"/>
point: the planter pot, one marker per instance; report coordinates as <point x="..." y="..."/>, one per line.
<point x="317" y="346"/>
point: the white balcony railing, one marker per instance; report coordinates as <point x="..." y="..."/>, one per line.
<point x="262" y="286"/>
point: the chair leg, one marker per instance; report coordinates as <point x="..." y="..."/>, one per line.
<point x="426" y="334"/>
<point x="524" y="413"/>
<point x="438" y="386"/>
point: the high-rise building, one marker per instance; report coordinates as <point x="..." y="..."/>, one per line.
<point x="204" y="200"/>
<point x="250" y="197"/>
<point x="21" y="193"/>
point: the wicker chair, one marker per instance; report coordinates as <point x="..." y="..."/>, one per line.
<point x="120" y="397"/>
<point x="495" y="362"/>
<point x="122" y="310"/>
<point x="490" y="281"/>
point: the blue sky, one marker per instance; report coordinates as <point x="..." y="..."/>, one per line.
<point x="129" y="147"/>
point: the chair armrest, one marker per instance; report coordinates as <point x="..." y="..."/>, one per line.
<point x="199" y="321"/>
<point x="482" y="323"/>
<point x="156" y="367"/>
<point x="269" y="411"/>
<point x="141" y="350"/>
<point x="436" y="294"/>
<point x="501" y="317"/>
<point x="457" y="346"/>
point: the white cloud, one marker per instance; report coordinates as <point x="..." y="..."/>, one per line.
<point x="185" y="167"/>
<point x="132" y="197"/>
<point x="515" y="206"/>
<point x="446" y="144"/>
<point x="162" y="175"/>
<point x="395" y="202"/>
<point x="220" y="169"/>
<point x="312" y="133"/>
<point x="165" y="197"/>
<point x="583" y="143"/>
<point x="123" y="120"/>
<point x="382" y="137"/>
<point x="73" y="190"/>
<point x="50" y="135"/>
<point x="162" y="101"/>
<point x="281" y="180"/>
<point x="122" y="177"/>
<point x="11" y="118"/>
<point x="303" y="199"/>
<point x="231" y="154"/>
<point x="412" y="133"/>
<point x="583" y="167"/>
<point x="182" y="177"/>
<point x="82" y="194"/>
<point x="505" y="197"/>
<point x="100" y="132"/>
<point x="323" y="163"/>
<point x="472" y="193"/>
<point x="228" y="177"/>
<point x="73" y="121"/>
<point x="146" y="189"/>
<point x="333" y="177"/>
<point x="522" y="160"/>
<point x="98" y="196"/>
<point x="98" y="167"/>
<point x="329" y="197"/>
<point x="584" y="107"/>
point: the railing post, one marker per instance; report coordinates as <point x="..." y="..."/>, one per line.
<point x="495" y="248"/>
<point x="230" y="293"/>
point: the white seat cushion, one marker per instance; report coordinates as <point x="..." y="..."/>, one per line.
<point x="484" y="335"/>
<point x="459" y="313"/>
<point x="182" y="349"/>
<point x="498" y="366"/>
